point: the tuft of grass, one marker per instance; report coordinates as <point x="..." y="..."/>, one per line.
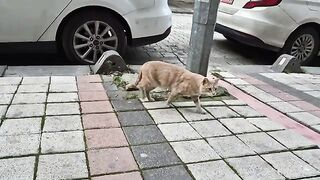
<point x="118" y="81"/>
<point x="132" y="96"/>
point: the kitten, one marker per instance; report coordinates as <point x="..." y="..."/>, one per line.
<point x="175" y="78"/>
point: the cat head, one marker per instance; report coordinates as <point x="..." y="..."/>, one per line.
<point x="210" y="85"/>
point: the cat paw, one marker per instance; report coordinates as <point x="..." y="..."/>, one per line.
<point x="201" y="111"/>
<point x="144" y="99"/>
<point x="152" y="99"/>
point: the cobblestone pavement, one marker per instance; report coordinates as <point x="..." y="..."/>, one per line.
<point x="66" y="127"/>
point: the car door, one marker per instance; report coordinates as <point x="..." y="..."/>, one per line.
<point x="314" y="5"/>
<point x="26" y="20"/>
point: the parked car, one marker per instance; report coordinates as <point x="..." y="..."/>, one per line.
<point x="84" y="29"/>
<point x="285" y="26"/>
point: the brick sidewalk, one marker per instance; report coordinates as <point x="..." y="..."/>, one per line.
<point x="67" y="128"/>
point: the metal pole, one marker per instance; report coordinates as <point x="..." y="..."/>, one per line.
<point x="204" y="20"/>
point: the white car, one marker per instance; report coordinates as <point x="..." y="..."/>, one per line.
<point x="285" y="26"/>
<point x="84" y="29"/>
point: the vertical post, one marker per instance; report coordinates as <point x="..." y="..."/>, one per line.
<point x="204" y="19"/>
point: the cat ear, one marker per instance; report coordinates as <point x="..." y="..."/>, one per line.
<point x="205" y="81"/>
<point x="216" y="80"/>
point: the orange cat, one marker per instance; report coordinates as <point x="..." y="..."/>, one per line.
<point x="175" y="78"/>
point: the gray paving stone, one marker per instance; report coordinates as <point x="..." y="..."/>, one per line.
<point x="265" y="124"/>
<point x="62" y="142"/>
<point x="63" y="109"/>
<point x="8" y="88"/>
<point x="132" y="118"/>
<point x="62" y="97"/>
<point x="33" y="88"/>
<point x="166" y="116"/>
<point x="173" y="172"/>
<point x="109" y="86"/>
<point x="212" y="171"/>
<point x="19" y="145"/>
<point x="212" y="103"/>
<point x="156" y="105"/>
<point x="314" y="93"/>
<point x="62" y="123"/>
<point x="311" y="156"/>
<point x="178" y="132"/>
<point x="266" y="97"/>
<point x="3" y="109"/>
<point x="20" y="126"/>
<point x="36" y="80"/>
<point x="210" y="128"/>
<point x="127" y="105"/>
<point x="10" y="80"/>
<point x="62" y="166"/>
<point x="290" y="165"/>
<point x="29" y="98"/>
<point x="291" y="139"/>
<point x="317" y="127"/>
<point x="182" y="104"/>
<point x="285" y="107"/>
<point x="26" y="110"/>
<point x="245" y="111"/>
<point x="300" y="87"/>
<point x="254" y="167"/>
<point x="230" y="146"/>
<point x="234" y="102"/>
<point x="226" y="75"/>
<point x="194" y="151"/>
<point x="261" y="142"/>
<point x="305" y="118"/>
<point x="155" y="155"/>
<point x="190" y="114"/>
<point x="63" y="88"/>
<point x="222" y="112"/>
<point x="17" y="168"/>
<point x="63" y="80"/>
<point x="239" y="125"/>
<point x="143" y="135"/>
<point x="238" y="82"/>
<point x="5" y="98"/>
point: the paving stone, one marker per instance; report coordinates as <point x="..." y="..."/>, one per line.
<point x="96" y="107"/>
<point x="85" y="87"/>
<point x="290" y="165"/>
<point x="305" y="118"/>
<point x="254" y="167"/>
<point x="111" y="160"/>
<point x="227" y="75"/>
<point x="123" y="176"/>
<point x="212" y="171"/>
<point x="97" y="121"/>
<point x="173" y="172"/>
<point x="317" y="127"/>
<point x="212" y="103"/>
<point x="155" y="155"/>
<point x="3" y="110"/>
<point x="261" y="142"/>
<point x="265" y="124"/>
<point x="96" y="96"/>
<point x="29" y="98"/>
<point x="229" y="146"/>
<point x="285" y="107"/>
<point x="36" y="80"/>
<point x="239" y="125"/>
<point x="62" y="142"/>
<point x="17" y="168"/>
<point x="20" y="126"/>
<point x="63" y="80"/>
<point x="158" y="104"/>
<point x="166" y="116"/>
<point x="62" y="166"/>
<point x="210" y="128"/>
<point x="237" y="82"/>
<point x="33" y="88"/>
<point x="300" y="87"/>
<point x="8" y="88"/>
<point x="5" y="98"/>
<point x="62" y="123"/>
<point x="89" y="79"/>
<point x="245" y="111"/>
<point x="133" y="118"/>
<point x="311" y="156"/>
<point x="127" y="105"/>
<point x="305" y="105"/>
<point x="26" y="110"/>
<point x="143" y="135"/>
<point x="190" y="114"/>
<point x="62" y="109"/>
<point x="285" y="96"/>
<point x="266" y="97"/>
<point x="19" y="145"/>
<point x="291" y="139"/>
<point x="109" y="86"/>
<point x="10" y="80"/>
<point x="222" y="112"/>
<point x="178" y="132"/>
<point x="194" y="151"/>
<point x="234" y="102"/>
<point x="62" y="97"/>
<point x="104" y="138"/>
<point x="314" y="93"/>
<point x="63" y="88"/>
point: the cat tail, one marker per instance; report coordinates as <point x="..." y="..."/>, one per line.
<point x="138" y="79"/>
<point x="132" y="87"/>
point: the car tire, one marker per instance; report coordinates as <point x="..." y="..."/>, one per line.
<point x="88" y="34"/>
<point x="304" y="40"/>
